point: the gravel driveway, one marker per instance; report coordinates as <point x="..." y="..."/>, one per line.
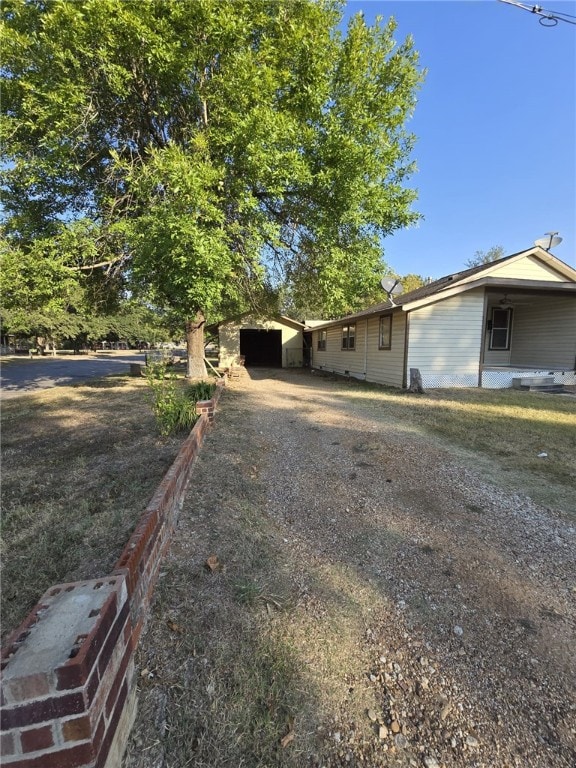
<point x="429" y="615"/>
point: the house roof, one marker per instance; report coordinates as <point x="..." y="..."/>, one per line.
<point x="465" y="280"/>
<point x="238" y="319"/>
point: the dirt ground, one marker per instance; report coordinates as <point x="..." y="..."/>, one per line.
<point x="345" y="589"/>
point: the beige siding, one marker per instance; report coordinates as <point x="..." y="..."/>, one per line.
<point x="229" y="339"/>
<point x="386" y="366"/>
<point x="381" y="366"/>
<point x="496" y="356"/>
<point x="445" y="340"/>
<point x="544" y="333"/>
<point x="527" y="268"/>
<point x="338" y="360"/>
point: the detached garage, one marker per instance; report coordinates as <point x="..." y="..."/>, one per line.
<point x="270" y="343"/>
<point x="261" y="347"/>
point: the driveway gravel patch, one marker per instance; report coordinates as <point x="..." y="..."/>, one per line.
<point x="374" y="601"/>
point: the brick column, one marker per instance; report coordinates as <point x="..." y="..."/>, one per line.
<point x="206" y="408"/>
<point x="66" y="675"/>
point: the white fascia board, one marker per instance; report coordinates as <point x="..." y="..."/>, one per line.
<point x="486" y="282"/>
<point x="554" y="262"/>
<point x="540" y="253"/>
<point x="289" y="321"/>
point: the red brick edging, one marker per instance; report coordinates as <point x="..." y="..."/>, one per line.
<point x="68" y="693"/>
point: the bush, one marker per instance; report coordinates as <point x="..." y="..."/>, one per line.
<point x="174" y="405"/>
<point x="201" y="390"/>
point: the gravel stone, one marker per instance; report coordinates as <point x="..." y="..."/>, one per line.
<point x="405" y="560"/>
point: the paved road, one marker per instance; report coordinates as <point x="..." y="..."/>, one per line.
<point x="21" y="376"/>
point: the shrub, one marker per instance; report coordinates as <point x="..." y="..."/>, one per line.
<point x="174" y="405"/>
<point x="174" y="411"/>
<point x="201" y="390"/>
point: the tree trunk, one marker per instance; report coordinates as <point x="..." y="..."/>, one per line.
<point x="196" y="368"/>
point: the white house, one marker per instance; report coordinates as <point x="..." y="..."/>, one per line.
<point x="482" y="327"/>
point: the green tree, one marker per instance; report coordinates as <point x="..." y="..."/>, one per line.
<point x="222" y="149"/>
<point x="38" y="292"/>
<point x="377" y="295"/>
<point x="486" y="257"/>
<point x="411" y="282"/>
<point x="47" y="292"/>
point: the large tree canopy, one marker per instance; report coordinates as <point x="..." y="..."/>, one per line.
<point x="218" y="148"/>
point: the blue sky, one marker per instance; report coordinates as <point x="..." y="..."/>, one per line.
<point x="496" y="128"/>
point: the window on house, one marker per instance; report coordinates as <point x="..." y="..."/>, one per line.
<point x="501" y="327"/>
<point x="385" y="332"/>
<point x="349" y="336"/>
<point x="322" y="336"/>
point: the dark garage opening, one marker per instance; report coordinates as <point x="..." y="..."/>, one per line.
<point x="261" y="347"/>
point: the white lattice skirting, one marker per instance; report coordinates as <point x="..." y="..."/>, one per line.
<point x="493" y="379"/>
<point x="503" y="379"/>
<point x="447" y="380"/>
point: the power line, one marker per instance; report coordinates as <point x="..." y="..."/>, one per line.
<point x="545" y="17"/>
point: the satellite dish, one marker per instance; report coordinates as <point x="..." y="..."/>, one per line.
<point x="551" y="240"/>
<point x="391" y="285"/>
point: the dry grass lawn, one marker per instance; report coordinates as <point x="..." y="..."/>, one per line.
<point x="79" y="466"/>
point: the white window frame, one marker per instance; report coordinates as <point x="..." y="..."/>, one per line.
<point x="499" y="328"/>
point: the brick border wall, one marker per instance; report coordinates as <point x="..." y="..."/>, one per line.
<point x="68" y="693"/>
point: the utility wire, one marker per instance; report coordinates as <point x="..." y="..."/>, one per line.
<point x="546" y="18"/>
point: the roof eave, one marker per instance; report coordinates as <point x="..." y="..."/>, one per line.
<point x="485" y="282"/>
<point x="278" y="318"/>
<point x="379" y="309"/>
